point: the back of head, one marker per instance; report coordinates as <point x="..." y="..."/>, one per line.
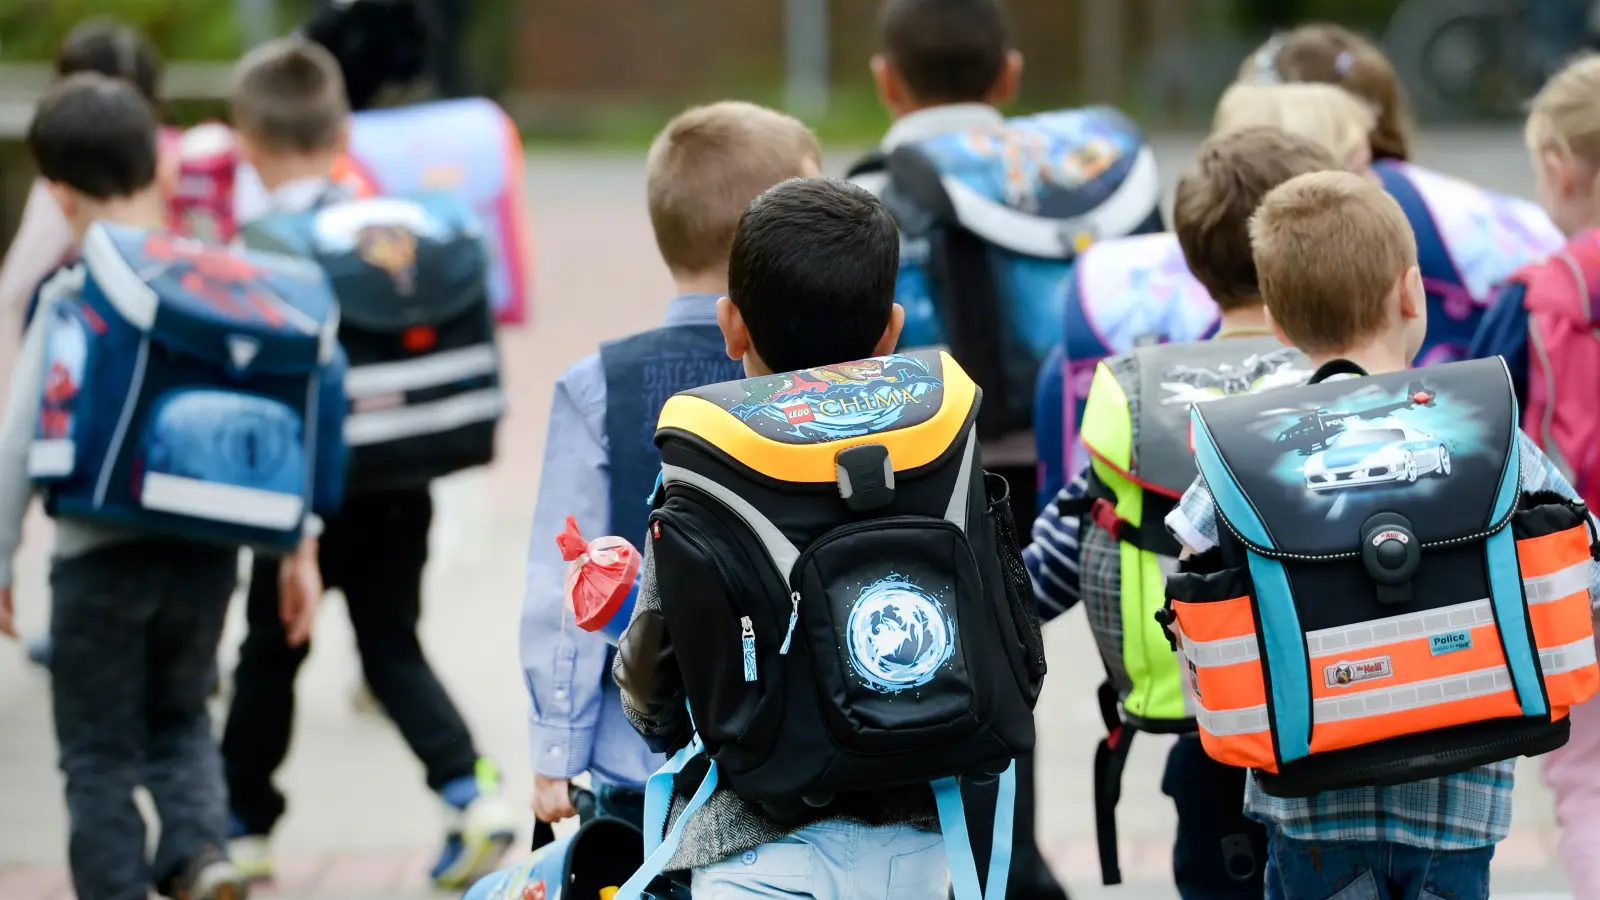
<point x="288" y="96"/>
<point x="96" y="135"/>
<point x="109" y="47"/>
<point x="377" y="43"/>
<point x="1217" y="196"/>
<point x="707" y="165"/>
<point x="946" y="51"/>
<point x="1330" y="116"/>
<point x="1565" y="115"/>
<point x="1330" y="247"/>
<point x="1331" y="54"/>
<point x="813" y="273"/>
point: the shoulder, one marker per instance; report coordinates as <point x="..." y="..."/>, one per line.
<point x="584" y="381"/>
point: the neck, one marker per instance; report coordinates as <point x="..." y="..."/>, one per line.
<point x="715" y="283"/>
<point x="275" y="173"/>
<point x="1244" y="321"/>
<point x="1376" y="357"/>
<point x="146" y="209"/>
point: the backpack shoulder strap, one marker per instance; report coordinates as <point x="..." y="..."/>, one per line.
<point x="876" y="161"/>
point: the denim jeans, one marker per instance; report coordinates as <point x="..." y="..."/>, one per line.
<point x="836" y="860"/>
<point x="1315" y="870"/>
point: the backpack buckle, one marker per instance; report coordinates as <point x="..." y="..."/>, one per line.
<point x="1104" y="514"/>
<point x="865" y="476"/>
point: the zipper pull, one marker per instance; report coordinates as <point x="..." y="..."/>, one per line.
<point x="747" y="633"/>
<point x="794" y="618"/>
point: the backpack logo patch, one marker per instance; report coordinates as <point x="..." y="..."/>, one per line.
<point x="242" y="351"/>
<point x="899" y="635"/>
<point x="1344" y="674"/>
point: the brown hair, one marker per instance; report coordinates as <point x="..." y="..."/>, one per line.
<point x="1329" y="248"/>
<point x="289" y="95"/>
<point x="1335" y="55"/>
<point x="1564" y="116"/>
<point x="707" y="165"/>
<point x="1218" y="194"/>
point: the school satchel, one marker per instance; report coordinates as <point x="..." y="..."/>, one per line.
<point x="846" y="598"/>
<point x="189" y="391"/>
<point x="1386" y="605"/>
<point x="411" y="274"/>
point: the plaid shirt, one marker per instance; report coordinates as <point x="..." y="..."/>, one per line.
<point x="1464" y="811"/>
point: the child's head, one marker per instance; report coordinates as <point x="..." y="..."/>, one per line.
<point x="94" y="141"/>
<point x="704" y="169"/>
<point x="1331" y="54"/>
<point x="938" y="52"/>
<point x="1331" y="116"/>
<point x="289" y="109"/>
<point x="1337" y="263"/>
<point x="105" y="45"/>
<point x="811" y="278"/>
<point x="1218" y="194"/>
<point x="1564" y="138"/>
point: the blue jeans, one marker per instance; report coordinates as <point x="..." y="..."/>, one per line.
<point x="1316" y="870"/>
<point x="833" y="859"/>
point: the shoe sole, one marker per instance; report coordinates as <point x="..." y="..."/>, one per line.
<point x="478" y="860"/>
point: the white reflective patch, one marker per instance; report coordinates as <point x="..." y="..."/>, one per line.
<point x="1376" y="633"/>
<point x="1567" y="658"/>
<point x="1558" y="584"/>
<point x="229" y="503"/>
<point x="1229" y="722"/>
<point x="1400" y="698"/>
<point x="52" y="458"/>
<point x="384" y="425"/>
<point x="433" y="370"/>
<point x="1225" y="652"/>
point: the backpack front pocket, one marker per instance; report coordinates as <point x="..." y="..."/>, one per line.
<point x="887" y="641"/>
<point x="63" y="419"/>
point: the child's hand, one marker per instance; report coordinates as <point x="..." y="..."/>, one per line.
<point x="299" y="592"/>
<point x="8" y="613"/>
<point x="552" y="799"/>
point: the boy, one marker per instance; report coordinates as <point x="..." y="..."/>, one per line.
<point x="601" y="459"/>
<point x="289" y="110"/>
<point x="1211" y="214"/>
<point x="777" y="293"/>
<point x="135" y="620"/>
<point x="1337" y="265"/>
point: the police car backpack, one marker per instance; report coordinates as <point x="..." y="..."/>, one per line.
<point x="1386" y="605"/>
<point x="411" y="277"/>
<point x="189" y="391"/>
<point x="845" y="595"/>
<point x="991" y="221"/>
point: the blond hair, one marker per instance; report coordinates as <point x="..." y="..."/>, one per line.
<point x="1331" y="116"/>
<point x="707" y="165"/>
<point x="1564" y="116"/>
<point x="1330" y="247"/>
<point x="288" y="94"/>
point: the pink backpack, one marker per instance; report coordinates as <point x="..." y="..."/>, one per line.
<point x="1562" y="415"/>
<point x="202" y="207"/>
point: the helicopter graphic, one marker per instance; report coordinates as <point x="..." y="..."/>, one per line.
<point x="1314" y="429"/>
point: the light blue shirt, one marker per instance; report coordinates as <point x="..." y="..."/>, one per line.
<point x="577" y="724"/>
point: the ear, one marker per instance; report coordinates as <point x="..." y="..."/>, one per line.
<point x="249" y="150"/>
<point x="1564" y="175"/>
<point x="66" y="199"/>
<point x="734" y="335"/>
<point x="1413" y="296"/>
<point x="1010" y="81"/>
<point x="341" y="144"/>
<point x="891" y="90"/>
<point x="891" y="332"/>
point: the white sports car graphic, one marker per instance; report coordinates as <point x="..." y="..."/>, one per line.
<point x="1376" y="453"/>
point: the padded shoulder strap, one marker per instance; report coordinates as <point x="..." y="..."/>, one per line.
<point x="876" y="161"/>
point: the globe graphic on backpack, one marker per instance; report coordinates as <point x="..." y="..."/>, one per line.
<point x="899" y="635"/>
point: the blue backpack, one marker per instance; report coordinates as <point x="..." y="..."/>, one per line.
<point x="189" y="391"/>
<point x="991" y="222"/>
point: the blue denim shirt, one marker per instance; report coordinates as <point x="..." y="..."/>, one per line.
<point x="576" y="722"/>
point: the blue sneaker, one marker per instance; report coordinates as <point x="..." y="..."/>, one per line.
<point x="482" y="829"/>
<point x="41" y="650"/>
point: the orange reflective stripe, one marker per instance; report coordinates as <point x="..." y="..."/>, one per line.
<point x="1563" y="621"/>
<point x="1550" y="553"/>
<point x="1340" y="734"/>
<point x="1215" y="621"/>
<point x="1246" y="751"/>
<point x="1238" y="686"/>
<point x="1572" y="688"/>
<point x="1405" y="662"/>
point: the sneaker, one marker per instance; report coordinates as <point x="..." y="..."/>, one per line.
<point x="482" y="829"/>
<point x="251" y="853"/>
<point x="209" y="876"/>
<point x="41" y="650"/>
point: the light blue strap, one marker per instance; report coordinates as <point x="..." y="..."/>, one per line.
<point x="958" y="844"/>
<point x="657" y="803"/>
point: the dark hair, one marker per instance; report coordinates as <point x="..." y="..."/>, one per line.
<point x="377" y="43"/>
<point x="946" y="51"/>
<point x="103" y="44"/>
<point x="813" y="273"/>
<point x="289" y="95"/>
<point x="95" y="134"/>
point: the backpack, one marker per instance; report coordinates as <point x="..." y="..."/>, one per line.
<point x="189" y="391"/>
<point x="1136" y="427"/>
<point x="991" y="222"/>
<point x="844" y="591"/>
<point x="424" y="381"/>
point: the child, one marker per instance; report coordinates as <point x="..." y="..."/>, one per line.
<point x="1546" y="308"/>
<point x="601" y="460"/>
<point x="289" y="109"/>
<point x="1211" y="212"/>
<point x="134" y="620"/>
<point x="1338" y="272"/>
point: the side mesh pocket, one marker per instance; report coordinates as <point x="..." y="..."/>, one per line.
<point x="1554" y="557"/>
<point x="1019" y="586"/>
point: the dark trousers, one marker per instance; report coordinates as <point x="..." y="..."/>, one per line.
<point x="375" y="550"/>
<point x="135" y="629"/>
<point x="1215" y="842"/>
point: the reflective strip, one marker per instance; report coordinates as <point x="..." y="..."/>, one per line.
<point x="1558" y="584"/>
<point x="384" y="425"/>
<point x="230" y="503"/>
<point x="1229" y="722"/>
<point x="1226" y="652"/>
<point x="783" y="552"/>
<point x="432" y="370"/>
<point x="1376" y="633"/>
<point x="1567" y="658"/>
<point x="52" y="458"/>
<point x="1400" y="698"/>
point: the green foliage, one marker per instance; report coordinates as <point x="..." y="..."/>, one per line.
<point x="32" y="30"/>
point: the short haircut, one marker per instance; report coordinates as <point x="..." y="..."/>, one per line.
<point x="813" y="273"/>
<point x="1330" y="248"/>
<point x="1217" y="196"/>
<point x="946" y="51"/>
<point x="1329" y="115"/>
<point x="707" y="165"/>
<point x="96" y="135"/>
<point x="288" y="95"/>
<point x="1565" y="115"/>
<point x="112" y="48"/>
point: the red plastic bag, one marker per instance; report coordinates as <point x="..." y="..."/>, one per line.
<point x="602" y="576"/>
